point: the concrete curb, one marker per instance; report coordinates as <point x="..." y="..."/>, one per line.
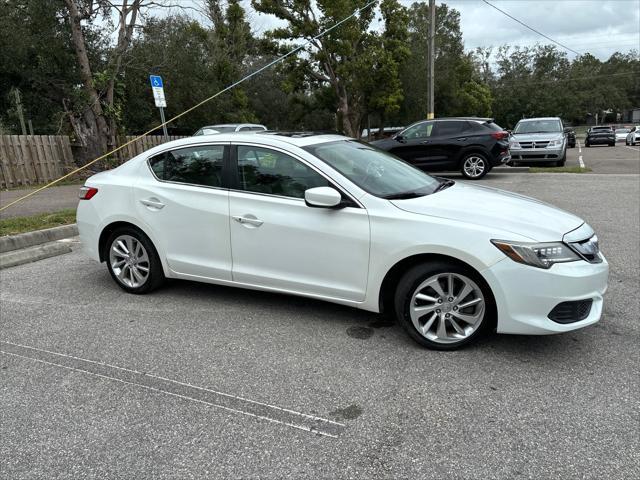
<point x="33" y="254"/>
<point x="38" y="237"/>
<point x="509" y="169"/>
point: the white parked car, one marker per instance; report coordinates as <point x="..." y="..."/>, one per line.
<point x="230" y="127"/>
<point x="633" y="136"/>
<point x="621" y="134"/>
<point x="327" y="217"/>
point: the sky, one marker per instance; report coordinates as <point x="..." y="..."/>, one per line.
<point x="600" y="27"/>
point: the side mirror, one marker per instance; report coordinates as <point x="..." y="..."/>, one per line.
<point x="322" y="197"/>
<point x="399" y="138"/>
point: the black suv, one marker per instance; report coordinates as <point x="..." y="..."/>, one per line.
<point x="472" y="145"/>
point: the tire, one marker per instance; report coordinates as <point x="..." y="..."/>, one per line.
<point x="131" y="277"/>
<point x="474" y="166"/>
<point x="586" y="144"/>
<point x="443" y="330"/>
<point x="562" y="161"/>
<point x="612" y="144"/>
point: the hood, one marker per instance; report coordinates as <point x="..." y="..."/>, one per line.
<point x="534" y="137"/>
<point x="493" y="208"/>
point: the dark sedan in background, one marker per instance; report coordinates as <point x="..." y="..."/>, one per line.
<point x="471" y="145"/>
<point x="570" y="133"/>
<point x="600" y="136"/>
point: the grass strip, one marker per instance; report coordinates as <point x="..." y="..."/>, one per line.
<point x="13" y="226"/>
<point x="574" y="169"/>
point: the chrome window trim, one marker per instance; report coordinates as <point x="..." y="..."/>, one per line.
<point x="207" y="144"/>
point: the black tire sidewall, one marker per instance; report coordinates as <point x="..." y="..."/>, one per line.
<point x="414" y="277"/>
<point x="156" y="274"/>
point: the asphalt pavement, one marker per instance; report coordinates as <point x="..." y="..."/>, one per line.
<point x="201" y="381"/>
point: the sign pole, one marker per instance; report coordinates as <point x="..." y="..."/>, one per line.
<point x="164" y="127"/>
<point x="157" y="86"/>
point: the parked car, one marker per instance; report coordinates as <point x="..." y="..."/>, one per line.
<point x="570" y="133"/>
<point x="471" y="145"/>
<point x="600" y="136"/>
<point x="633" y="136"/>
<point x="621" y="134"/>
<point x="335" y="219"/>
<point x="230" y="127"/>
<point x="539" y="140"/>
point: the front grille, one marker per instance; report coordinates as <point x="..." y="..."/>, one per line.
<point x="534" y="144"/>
<point x="569" y="312"/>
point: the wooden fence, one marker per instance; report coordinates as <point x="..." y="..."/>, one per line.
<point x="26" y="160"/>
<point x="32" y="159"/>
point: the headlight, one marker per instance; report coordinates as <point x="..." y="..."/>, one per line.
<point x="554" y="144"/>
<point x="541" y="255"/>
<point x="514" y="144"/>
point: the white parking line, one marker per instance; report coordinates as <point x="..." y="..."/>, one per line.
<point x="632" y="148"/>
<point x="581" y="161"/>
<point x="186" y="391"/>
<point x="579" y="148"/>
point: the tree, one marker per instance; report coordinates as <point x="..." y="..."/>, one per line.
<point x="339" y="58"/>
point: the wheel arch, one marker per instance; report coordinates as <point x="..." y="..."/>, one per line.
<point x="113" y="226"/>
<point x="387" y="290"/>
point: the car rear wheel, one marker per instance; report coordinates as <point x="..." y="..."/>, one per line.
<point x="133" y="261"/>
<point x="474" y="166"/>
<point x="443" y="306"/>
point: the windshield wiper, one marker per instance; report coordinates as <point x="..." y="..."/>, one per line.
<point x="404" y="195"/>
<point x="443" y="185"/>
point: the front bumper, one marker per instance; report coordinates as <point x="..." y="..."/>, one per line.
<point x="526" y="295"/>
<point x="536" y="154"/>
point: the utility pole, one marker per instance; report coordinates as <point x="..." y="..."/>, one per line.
<point x="16" y="93"/>
<point x="430" y="54"/>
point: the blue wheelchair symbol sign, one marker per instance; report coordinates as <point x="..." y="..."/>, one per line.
<point x="156" y="81"/>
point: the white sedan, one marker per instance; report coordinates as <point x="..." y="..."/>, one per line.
<point x="327" y="217"/>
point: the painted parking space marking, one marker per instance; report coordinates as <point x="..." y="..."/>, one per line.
<point x="632" y="148"/>
<point x="174" y="388"/>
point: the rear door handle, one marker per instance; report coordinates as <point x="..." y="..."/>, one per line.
<point x="153" y="203"/>
<point x="256" y="222"/>
<point x="462" y="139"/>
<point x="424" y="142"/>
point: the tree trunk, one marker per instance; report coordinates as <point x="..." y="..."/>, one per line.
<point x="91" y="123"/>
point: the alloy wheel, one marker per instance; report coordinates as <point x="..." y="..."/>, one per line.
<point x="129" y="261"/>
<point x="447" y="308"/>
<point x="474" y="166"/>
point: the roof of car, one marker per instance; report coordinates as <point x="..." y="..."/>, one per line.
<point x="538" y="118"/>
<point x="232" y="125"/>
<point x="268" y="138"/>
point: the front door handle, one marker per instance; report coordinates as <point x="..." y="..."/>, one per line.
<point x="256" y="222"/>
<point x="153" y="203"/>
<point x="424" y="142"/>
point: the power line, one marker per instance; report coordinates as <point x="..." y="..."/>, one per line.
<point x="531" y="28"/>
<point x="500" y="83"/>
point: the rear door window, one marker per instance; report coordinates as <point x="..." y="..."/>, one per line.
<point x="449" y="128"/>
<point x="201" y="165"/>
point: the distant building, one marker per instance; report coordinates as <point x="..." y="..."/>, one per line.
<point x="631" y="116"/>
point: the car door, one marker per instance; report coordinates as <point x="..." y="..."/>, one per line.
<point x="414" y="144"/>
<point x="279" y="242"/>
<point x="181" y="197"/>
<point x="447" y="139"/>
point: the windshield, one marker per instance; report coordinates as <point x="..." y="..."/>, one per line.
<point x="538" y="126"/>
<point x="373" y="170"/>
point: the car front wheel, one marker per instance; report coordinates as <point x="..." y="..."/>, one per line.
<point x="443" y="306"/>
<point x="133" y="261"/>
<point x="474" y="166"/>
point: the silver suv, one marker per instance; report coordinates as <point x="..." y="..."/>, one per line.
<point x="539" y="140"/>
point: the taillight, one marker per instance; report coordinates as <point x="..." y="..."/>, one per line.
<point x="87" y="193"/>
<point x="500" y="135"/>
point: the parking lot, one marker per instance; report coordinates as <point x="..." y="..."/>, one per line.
<point x="199" y="380"/>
